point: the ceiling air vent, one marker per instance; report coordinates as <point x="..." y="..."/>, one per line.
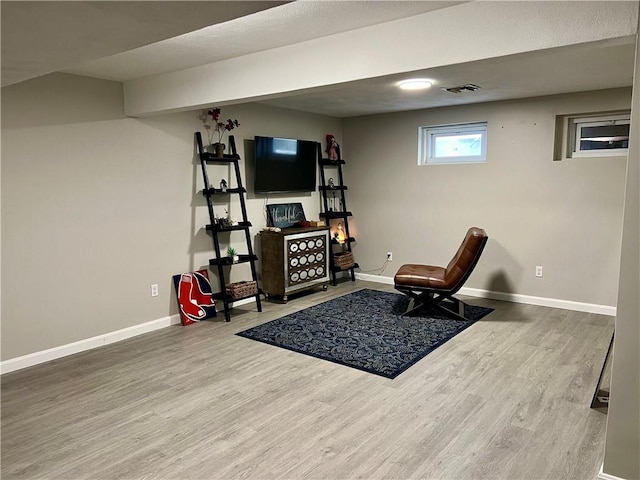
<point x="468" y="86"/>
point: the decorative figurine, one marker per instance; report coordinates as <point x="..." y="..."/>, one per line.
<point x="340" y="236"/>
<point x="333" y="149"/>
<point x="228" y="221"/>
<point x="331" y="184"/>
<point x="223" y="185"/>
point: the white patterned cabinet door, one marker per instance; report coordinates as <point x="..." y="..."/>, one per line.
<point x="306" y="259"/>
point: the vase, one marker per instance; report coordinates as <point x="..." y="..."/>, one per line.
<point x="219" y="149"/>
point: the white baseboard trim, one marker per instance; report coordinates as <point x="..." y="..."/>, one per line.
<point x="514" y="297"/>
<point x="606" y="476"/>
<point x="374" y="278"/>
<point x="43" y="356"/>
<point x="237" y="303"/>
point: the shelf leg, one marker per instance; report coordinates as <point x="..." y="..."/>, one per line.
<point x="227" y="310"/>
<point x="258" y="303"/>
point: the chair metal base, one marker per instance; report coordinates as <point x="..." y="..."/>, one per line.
<point x="447" y="303"/>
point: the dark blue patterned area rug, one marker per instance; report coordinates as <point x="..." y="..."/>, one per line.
<point x="365" y="330"/>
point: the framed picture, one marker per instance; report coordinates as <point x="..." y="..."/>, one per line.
<point x="284" y="215"/>
<point x="195" y="301"/>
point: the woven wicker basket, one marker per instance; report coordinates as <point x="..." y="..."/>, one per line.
<point x="242" y="289"/>
<point x="343" y="260"/>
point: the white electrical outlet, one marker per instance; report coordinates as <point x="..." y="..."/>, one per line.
<point x="390" y="256"/>
<point x="539" y="271"/>
<point x="154" y="290"/>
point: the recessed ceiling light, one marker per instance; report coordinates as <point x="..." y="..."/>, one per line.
<point x="415" y="84"/>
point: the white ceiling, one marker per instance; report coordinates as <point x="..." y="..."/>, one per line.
<point x="128" y="40"/>
<point x="47" y="36"/>
<point x="607" y="64"/>
<point x="292" y="23"/>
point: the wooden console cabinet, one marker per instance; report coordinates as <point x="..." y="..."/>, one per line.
<point x="294" y="259"/>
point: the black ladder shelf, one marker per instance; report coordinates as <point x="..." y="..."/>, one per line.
<point x="335" y="212"/>
<point x="215" y="228"/>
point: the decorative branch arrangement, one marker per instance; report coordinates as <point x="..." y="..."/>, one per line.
<point x="214" y="126"/>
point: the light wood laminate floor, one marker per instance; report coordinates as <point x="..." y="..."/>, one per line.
<point x="508" y="398"/>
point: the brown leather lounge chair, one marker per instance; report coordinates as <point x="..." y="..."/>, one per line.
<point x="435" y="286"/>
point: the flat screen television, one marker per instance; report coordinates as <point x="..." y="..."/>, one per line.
<point x="284" y="165"/>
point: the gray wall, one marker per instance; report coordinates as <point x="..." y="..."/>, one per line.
<point x="96" y="207"/>
<point x="623" y="422"/>
<point x="563" y="215"/>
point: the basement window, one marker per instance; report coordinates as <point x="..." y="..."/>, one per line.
<point x="452" y="144"/>
<point x="598" y="136"/>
